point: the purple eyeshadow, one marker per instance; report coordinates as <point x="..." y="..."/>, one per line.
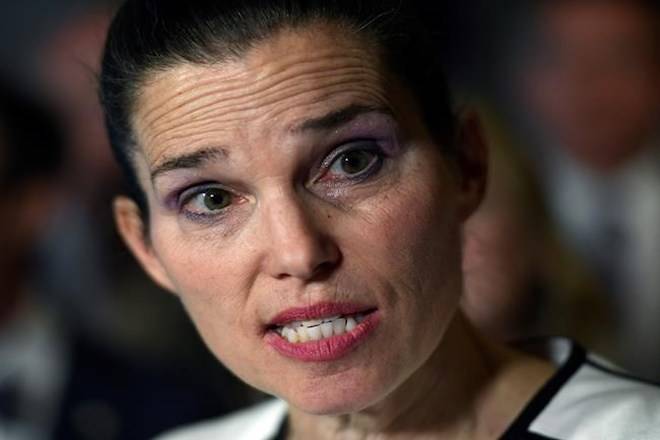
<point x="379" y="128"/>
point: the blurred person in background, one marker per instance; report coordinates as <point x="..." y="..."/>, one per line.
<point x="31" y="357"/>
<point x="589" y="90"/>
<point x="521" y="280"/>
<point x="78" y="234"/>
<point x="57" y="381"/>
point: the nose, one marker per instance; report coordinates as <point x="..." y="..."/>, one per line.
<point x="297" y="245"/>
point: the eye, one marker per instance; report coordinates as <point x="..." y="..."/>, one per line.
<point x="354" y="162"/>
<point x="206" y="201"/>
<point x="360" y="161"/>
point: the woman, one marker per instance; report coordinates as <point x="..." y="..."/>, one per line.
<point x="300" y="184"/>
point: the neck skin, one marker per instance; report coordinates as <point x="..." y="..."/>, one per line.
<point x="468" y="389"/>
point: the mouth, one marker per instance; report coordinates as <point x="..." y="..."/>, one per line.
<point x="318" y="329"/>
<point x="322" y="332"/>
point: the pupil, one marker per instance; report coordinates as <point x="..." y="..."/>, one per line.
<point x="215" y="199"/>
<point x="355" y="161"/>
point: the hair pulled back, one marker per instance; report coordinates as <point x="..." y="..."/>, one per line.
<point x="148" y="36"/>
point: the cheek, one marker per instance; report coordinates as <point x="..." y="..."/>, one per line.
<point x="409" y="251"/>
<point x="429" y="238"/>
<point x="418" y="231"/>
<point x="213" y="284"/>
<point x="412" y="241"/>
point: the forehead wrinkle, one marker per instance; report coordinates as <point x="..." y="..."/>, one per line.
<point x="202" y="132"/>
<point x="238" y="113"/>
<point x="186" y="81"/>
<point x="375" y="97"/>
<point x="251" y="88"/>
<point x="235" y="97"/>
<point x="358" y="81"/>
<point x="198" y="105"/>
<point x="271" y="93"/>
<point x="367" y="96"/>
<point x="248" y="77"/>
<point x="290" y="46"/>
<point x="213" y="127"/>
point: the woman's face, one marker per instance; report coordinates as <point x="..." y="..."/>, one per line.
<point x="299" y="184"/>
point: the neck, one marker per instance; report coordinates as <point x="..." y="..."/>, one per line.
<point x="456" y="394"/>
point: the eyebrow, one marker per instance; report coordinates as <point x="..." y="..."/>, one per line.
<point x="191" y="160"/>
<point x="338" y="118"/>
<point x="327" y="122"/>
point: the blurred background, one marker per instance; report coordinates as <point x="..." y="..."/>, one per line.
<point x="567" y="241"/>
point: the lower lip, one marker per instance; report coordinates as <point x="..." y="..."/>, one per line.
<point x="325" y="350"/>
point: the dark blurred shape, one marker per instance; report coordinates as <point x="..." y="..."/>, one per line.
<point x="32" y="143"/>
<point x="521" y="280"/>
<point x="80" y="232"/>
<point x="30" y="156"/>
<point x="593" y="79"/>
<point x="69" y="67"/>
<point x="581" y="81"/>
<point x="57" y="382"/>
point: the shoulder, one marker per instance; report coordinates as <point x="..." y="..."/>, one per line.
<point x="588" y="398"/>
<point x="258" y="422"/>
<point x="598" y="401"/>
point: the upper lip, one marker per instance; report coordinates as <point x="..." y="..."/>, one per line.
<point x="317" y="311"/>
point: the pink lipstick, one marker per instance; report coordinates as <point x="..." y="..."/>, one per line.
<point x="321" y="332"/>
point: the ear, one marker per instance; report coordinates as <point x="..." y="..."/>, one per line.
<point x="472" y="163"/>
<point x="132" y="230"/>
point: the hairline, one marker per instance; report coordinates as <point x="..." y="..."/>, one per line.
<point x="373" y="32"/>
<point x="173" y="62"/>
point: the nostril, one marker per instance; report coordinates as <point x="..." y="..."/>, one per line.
<point x="318" y="273"/>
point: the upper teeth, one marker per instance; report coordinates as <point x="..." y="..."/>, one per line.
<point x="317" y="329"/>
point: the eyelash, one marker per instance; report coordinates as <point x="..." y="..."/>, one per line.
<point x="189" y="194"/>
<point x="368" y="146"/>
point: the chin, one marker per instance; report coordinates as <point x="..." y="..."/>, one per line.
<point x="329" y="407"/>
<point x="349" y="396"/>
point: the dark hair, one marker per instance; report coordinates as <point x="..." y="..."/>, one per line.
<point x="31" y="143"/>
<point x="153" y="35"/>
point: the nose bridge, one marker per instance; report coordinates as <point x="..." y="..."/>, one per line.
<point x="297" y="246"/>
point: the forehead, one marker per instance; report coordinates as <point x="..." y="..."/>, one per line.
<point x="271" y="90"/>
